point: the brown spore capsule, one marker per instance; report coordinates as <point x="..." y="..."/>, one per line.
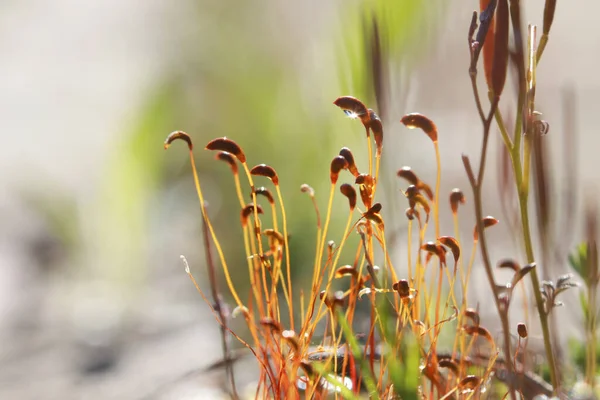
<point x="352" y="107"/>
<point x="228" y="145"/>
<point x="416" y="120"/>
<point x="181" y="135"/>
<point x="510" y="264"/>
<point x="402" y="287"/>
<point x="229" y="159"/>
<point x="364" y="179"/>
<point x="487" y="222"/>
<point x="522" y="330"/>
<point x="332" y="300"/>
<point x="452" y="244"/>
<point x="376" y="218"/>
<point x="266" y="171"/>
<point x="408" y="174"/>
<point x="469" y="383"/>
<point x="456" y="197"/>
<point x="348" y="191"/>
<point x="347" y="154"/>
<point x="338" y="298"/>
<point x="290" y="337"/>
<point x="266" y="193"/>
<point x="375" y="209"/>
<point x="247" y="211"/>
<point x="305" y="188"/>
<point x="346" y="270"/>
<point x="377" y="128"/>
<point x="449" y="364"/>
<point x="308" y="368"/>
<point x="473" y="315"/>
<point x="411" y="192"/>
<point x="274" y="235"/>
<point x="477" y="330"/>
<point x="411" y="213"/>
<point x="337" y="164"/>
<point x="271" y="324"/>
<point x="434" y="248"/>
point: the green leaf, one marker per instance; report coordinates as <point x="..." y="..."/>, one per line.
<point x="358" y="355"/>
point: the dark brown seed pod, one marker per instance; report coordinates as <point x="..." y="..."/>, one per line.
<point x="449" y="364"/>
<point x="469" y="383"/>
<point x="438" y="250"/>
<point x="304" y="188"/>
<point x="411" y="213"/>
<point x="416" y="120"/>
<point x="375" y="209"/>
<point x="228" y="145"/>
<point x="346" y="270"/>
<point x="364" y="179"/>
<point x="425" y="188"/>
<point x="411" y="192"/>
<point x="500" y="64"/>
<point x="332" y="300"/>
<point x="402" y="287"/>
<point x="487" y="222"/>
<point x="365" y="183"/>
<point x="271" y="324"/>
<point x="452" y="244"/>
<point x="376" y="218"/>
<point x="430" y="247"/>
<point x="414" y="199"/>
<point x="181" y="135"/>
<point x="522" y="330"/>
<point x="347" y="154"/>
<point x="408" y="174"/>
<point x="377" y="129"/>
<point x="337" y="164"/>
<point x="456" y="197"/>
<point x="510" y="264"/>
<point x="473" y="315"/>
<point x="348" y="191"/>
<point x="247" y="211"/>
<point x="331" y="245"/>
<point x="353" y="107"/>
<point x="308" y="368"/>
<point x="229" y="159"/>
<point x="338" y="298"/>
<point x="412" y="178"/>
<point x="478" y="330"/>
<point x="292" y="340"/>
<point x="274" y="236"/>
<point x="266" y="171"/>
<point x="263" y="191"/>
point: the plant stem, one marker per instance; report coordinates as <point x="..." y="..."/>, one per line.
<point x="219" y="307"/>
<point x="476" y="185"/>
<point x="536" y="290"/>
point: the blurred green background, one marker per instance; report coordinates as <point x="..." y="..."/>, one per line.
<point x="93" y="298"/>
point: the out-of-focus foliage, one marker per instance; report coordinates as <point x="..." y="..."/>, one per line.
<point x="244" y="83"/>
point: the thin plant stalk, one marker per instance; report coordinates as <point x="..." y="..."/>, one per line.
<point x="212" y="278"/>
